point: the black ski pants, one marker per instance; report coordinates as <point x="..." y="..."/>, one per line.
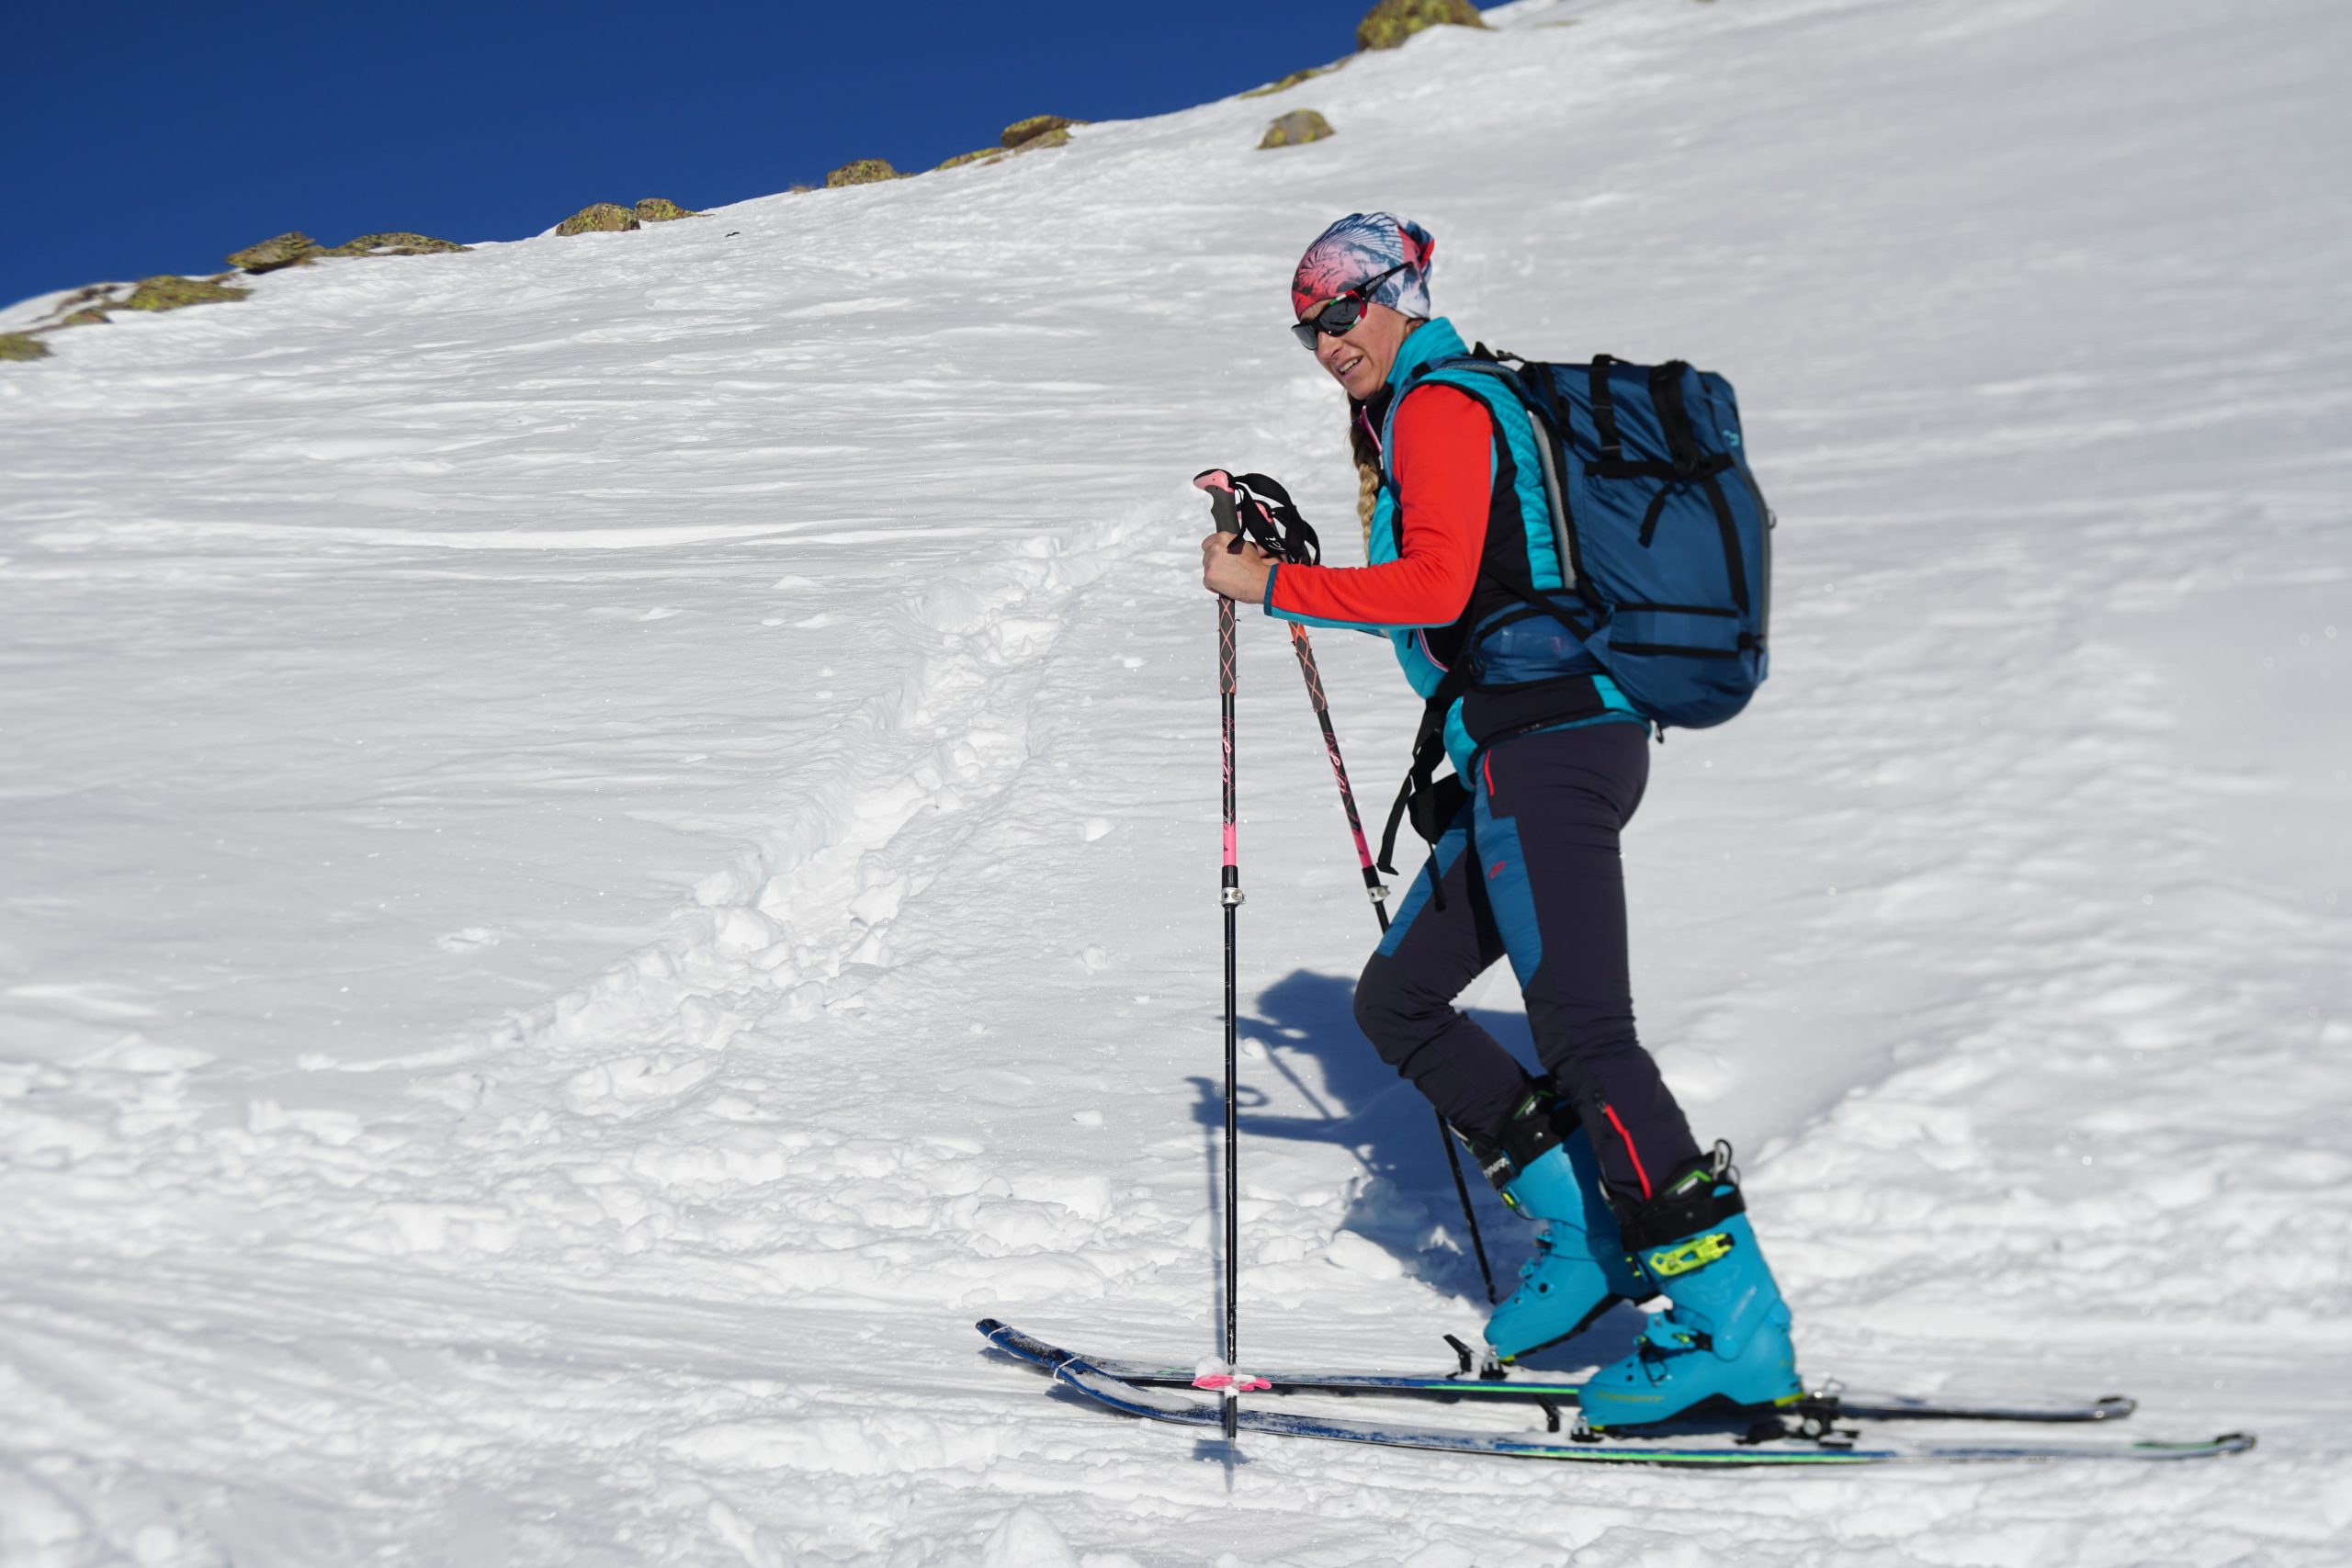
<point x="1530" y="870"/>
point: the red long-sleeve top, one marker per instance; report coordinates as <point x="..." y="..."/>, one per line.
<point x="1441" y="455"/>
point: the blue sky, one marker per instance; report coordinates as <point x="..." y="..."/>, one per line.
<point x="147" y="137"/>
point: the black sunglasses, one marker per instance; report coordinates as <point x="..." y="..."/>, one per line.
<point x="1340" y="317"/>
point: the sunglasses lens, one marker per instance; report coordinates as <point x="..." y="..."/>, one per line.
<point x="1335" y="320"/>
<point x="1340" y="315"/>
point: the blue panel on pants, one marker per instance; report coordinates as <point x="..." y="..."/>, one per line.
<point x="1449" y="850"/>
<point x="1502" y="867"/>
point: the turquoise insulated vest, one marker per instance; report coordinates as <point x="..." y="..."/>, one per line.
<point x="1526" y="649"/>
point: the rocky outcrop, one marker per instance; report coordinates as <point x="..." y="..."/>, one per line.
<point x="861" y="172"/>
<point x="661" y="210"/>
<point x="92" y="306"/>
<point x="291" y="248"/>
<point x="169" y="292"/>
<point x="399" y="243"/>
<point x="87" y="307"/>
<point x="1023" y="135"/>
<point x="604" y="218"/>
<point x="1034" y="134"/>
<point x="1391" y="22"/>
<point x="1298" y="127"/>
<point x="298" y="249"/>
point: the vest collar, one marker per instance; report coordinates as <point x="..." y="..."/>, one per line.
<point x="1433" y="339"/>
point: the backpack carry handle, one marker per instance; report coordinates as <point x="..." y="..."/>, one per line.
<point x="1604" y="409"/>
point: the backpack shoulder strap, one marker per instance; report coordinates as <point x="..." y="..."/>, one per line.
<point x="1429" y="803"/>
<point x="1547" y="459"/>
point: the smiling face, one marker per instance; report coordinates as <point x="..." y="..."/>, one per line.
<point x="1360" y="360"/>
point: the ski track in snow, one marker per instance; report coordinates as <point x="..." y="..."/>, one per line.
<point x="613" y="837"/>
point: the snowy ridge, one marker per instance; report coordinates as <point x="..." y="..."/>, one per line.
<point x="951" y="738"/>
<point x="611" y="839"/>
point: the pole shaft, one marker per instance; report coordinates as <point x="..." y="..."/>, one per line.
<point x="1307" y="667"/>
<point x="1230" y="896"/>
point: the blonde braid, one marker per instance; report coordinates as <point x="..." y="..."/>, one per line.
<point x="1367" y="461"/>
<point x="1365" y="449"/>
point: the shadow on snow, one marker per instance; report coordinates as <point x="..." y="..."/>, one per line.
<point x="1306" y="1025"/>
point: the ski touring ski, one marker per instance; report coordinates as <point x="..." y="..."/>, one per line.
<point x="1808" y="1446"/>
<point x="1834" y="1400"/>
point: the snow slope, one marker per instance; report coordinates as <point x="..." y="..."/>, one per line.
<point x="608" y="840"/>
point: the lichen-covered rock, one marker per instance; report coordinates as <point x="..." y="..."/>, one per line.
<point x="397" y="243"/>
<point x="1294" y="128"/>
<point x="661" y="210"/>
<point x="285" y="250"/>
<point x="87" y="307"/>
<point x="1391" y="22"/>
<point x="985" y="155"/>
<point x="861" y="172"/>
<point x="604" y="218"/>
<point x="22" y="346"/>
<point x="1022" y="132"/>
<point x="1058" y="137"/>
<point x="172" y="293"/>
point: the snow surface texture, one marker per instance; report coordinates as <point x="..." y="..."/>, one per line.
<point x="609" y="840"/>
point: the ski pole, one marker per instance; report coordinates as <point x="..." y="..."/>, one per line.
<point x="1283" y="533"/>
<point x="1230" y="895"/>
<point x="1379" y="895"/>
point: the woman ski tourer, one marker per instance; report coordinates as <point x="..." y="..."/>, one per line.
<point x="1554" y="760"/>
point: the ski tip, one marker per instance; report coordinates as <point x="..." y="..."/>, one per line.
<point x="2114" y="1406"/>
<point x="1027" y="1348"/>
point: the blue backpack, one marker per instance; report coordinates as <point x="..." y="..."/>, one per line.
<point x="1663" y="525"/>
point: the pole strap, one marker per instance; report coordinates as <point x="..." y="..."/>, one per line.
<point x="1274" y="523"/>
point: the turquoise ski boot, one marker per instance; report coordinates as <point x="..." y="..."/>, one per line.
<point x="1725" y="1339"/>
<point x="1579" y="1268"/>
